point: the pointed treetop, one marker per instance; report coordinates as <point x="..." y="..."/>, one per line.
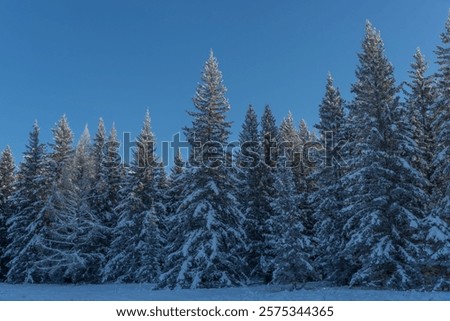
<point x="6" y="162"/>
<point x="35" y="132"/>
<point x="145" y="145"/>
<point x="209" y="119"/>
<point x="101" y="125"/>
<point x="100" y="136"/>
<point x="63" y="140"/>
<point x="372" y="37"/>
<point x="331" y="109"/>
<point x="62" y="130"/>
<point x="113" y="133"/>
<point x="62" y="122"/>
<point x="7" y="175"/>
<point x="303" y="132"/>
<point x="303" y="125"/>
<point x="7" y="150"/>
<point x="268" y="115"/>
<point x="332" y="92"/>
<point x="287" y="130"/>
<point x="7" y="154"/>
<point x="445" y="36"/>
<point x="212" y="78"/>
<point x="419" y="57"/>
<point x="86" y="130"/>
<point x="250" y="116"/>
<point x="147" y="128"/>
<point x="330" y="82"/>
<point x="370" y="29"/>
<point x="34" y="149"/>
<point x="249" y="132"/>
<point x="373" y="66"/>
<point x="269" y="130"/>
<point x="330" y="79"/>
<point x="289" y="117"/>
<point x="85" y="137"/>
<point x="419" y="65"/>
<point x="418" y="53"/>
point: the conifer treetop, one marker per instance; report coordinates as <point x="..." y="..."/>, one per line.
<point x="211" y="106"/>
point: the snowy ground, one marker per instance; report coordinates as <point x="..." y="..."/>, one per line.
<point x="139" y="292"/>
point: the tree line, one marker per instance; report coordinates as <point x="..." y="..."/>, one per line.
<point x="365" y="202"/>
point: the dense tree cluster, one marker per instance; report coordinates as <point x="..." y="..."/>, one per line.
<point x="366" y="202"/>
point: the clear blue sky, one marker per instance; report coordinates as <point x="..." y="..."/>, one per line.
<point x="115" y="59"/>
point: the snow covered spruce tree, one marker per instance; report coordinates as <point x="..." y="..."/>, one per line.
<point x="27" y="221"/>
<point x="111" y="177"/>
<point x="137" y="241"/>
<point x="294" y="145"/>
<point x="58" y="260"/>
<point x="249" y="174"/>
<point x="327" y="199"/>
<point x="305" y="183"/>
<point x="383" y="196"/>
<point x="207" y="252"/>
<point x="288" y="238"/>
<point x="89" y="231"/>
<point x="438" y="222"/>
<point x="261" y="253"/>
<point x="256" y="161"/>
<point x="7" y="180"/>
<point x="108" y="173"/>
<point x="97" y="154"/>
<point x="419" y="108"/>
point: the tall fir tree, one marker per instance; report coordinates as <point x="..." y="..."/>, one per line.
<point x="419" y="109"/>
<point x="327" y="199"/>
<point x="294" y="148"/>
<point x="137" y="239"/>
<point x="27" y="222"/>
<point x="7" y="180"/>
<point x="383" y="195"/>
<point x="97" y="154"/>
<point x="306" y="186"/>
<point x="58" y="261"/>
<point x="89" y="231"/>
<point x="109" y="179"/>
<point x="260" y="249"/>
<point x="208" y="250"/>
<point x="250" y="170"/>
<point x="331" y="110"/>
